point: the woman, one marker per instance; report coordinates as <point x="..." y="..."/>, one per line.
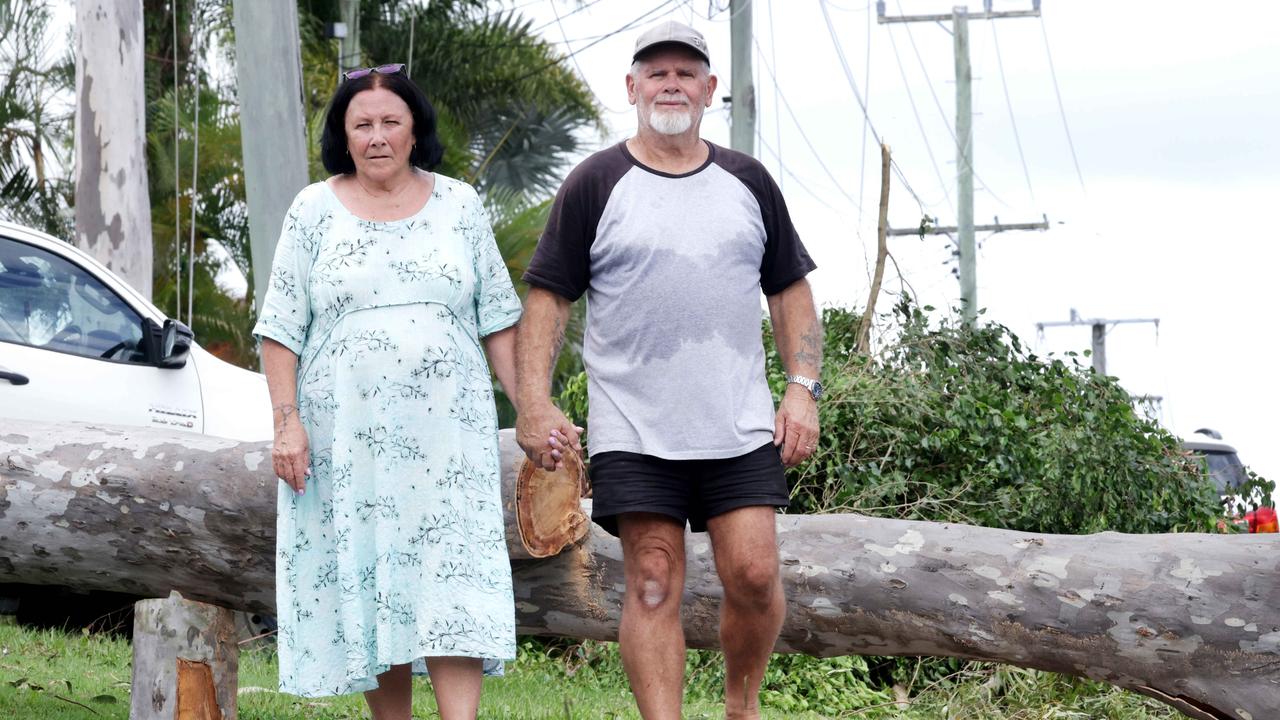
<point x="390" y="545"/>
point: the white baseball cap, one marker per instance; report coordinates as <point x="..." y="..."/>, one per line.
<point x="672" y="32"/>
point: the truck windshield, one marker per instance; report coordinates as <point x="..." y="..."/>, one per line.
<point x="1226" y="470"/>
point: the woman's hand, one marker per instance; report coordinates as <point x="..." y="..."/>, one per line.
<point x="290" y="454"/>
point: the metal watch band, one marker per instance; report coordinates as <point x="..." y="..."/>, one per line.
<point x="806" y="383"/>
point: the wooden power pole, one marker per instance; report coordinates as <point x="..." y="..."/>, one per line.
<point x="349" y="40"/>
<point x="1099" y="327"/>
<point x="742" y="108"/>
<point x="964" y="229"/>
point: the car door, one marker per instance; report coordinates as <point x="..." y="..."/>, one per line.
<point x="71" y="349"/>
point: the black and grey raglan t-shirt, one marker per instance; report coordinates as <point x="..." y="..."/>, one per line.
<point x="673" y="267"/>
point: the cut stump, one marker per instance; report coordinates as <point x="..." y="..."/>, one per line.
<point x="185" y="661"/>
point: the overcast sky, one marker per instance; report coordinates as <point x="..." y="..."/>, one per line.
<point x="1173" y="108"/>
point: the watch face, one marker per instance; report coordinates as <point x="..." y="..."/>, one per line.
<point x="817" y="390"/>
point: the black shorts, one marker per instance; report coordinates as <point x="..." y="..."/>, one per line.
<point x="692" y="490"/>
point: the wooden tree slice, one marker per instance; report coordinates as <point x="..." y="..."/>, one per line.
<point x="542" y="510"/>
<point x="549" y="515"/>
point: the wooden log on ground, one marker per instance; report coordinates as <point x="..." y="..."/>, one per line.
<point x="185" y="661"/>
<point x="141" y="511"/>
<point x="1191" y="619"/>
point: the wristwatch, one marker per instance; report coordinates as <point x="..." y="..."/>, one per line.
<point x="813" y="386"/>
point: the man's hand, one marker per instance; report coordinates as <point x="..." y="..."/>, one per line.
<point x="290" y="453"/>
<point x="545" y="434"/>
<point x="796" y="426"/>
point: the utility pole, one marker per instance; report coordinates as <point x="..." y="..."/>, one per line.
<point x="1099" y="328"/>
<point x="349" y="40"/>
<point x="742" y="100"/>
<point x="959" y="17"/>
<point x="964" y="167"/>
<point x="273" y="129"/>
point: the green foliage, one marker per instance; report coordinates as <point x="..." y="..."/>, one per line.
<point x="966" y="425"/>
<point x="988" y="691"/>
<point x="222" y="323"/>
<point x="799" y="683"/>
<point x="511" y="110"/>
<point x="35" y="131"/>
<point x="572" y="399"/>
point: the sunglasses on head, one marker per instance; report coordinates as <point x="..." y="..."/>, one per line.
<point x="391" y="69"/>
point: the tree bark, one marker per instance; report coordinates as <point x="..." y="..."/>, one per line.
<point x="113" y="210"/>
<point x="185" y="661"/>
<point x="273" y="124"/>
<point x="1190" y="619"/>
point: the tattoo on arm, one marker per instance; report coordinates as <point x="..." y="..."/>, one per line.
<point x="285" y="410"/>
<point x="558" y="334"/>
<point x="810" y="351"/>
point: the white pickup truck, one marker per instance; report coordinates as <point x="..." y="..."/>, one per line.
<point x="78" y="343"/>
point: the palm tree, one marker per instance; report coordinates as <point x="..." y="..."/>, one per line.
<point x="35" y="133"/>
<point x="520" y="110"/>
<point x="512" y="113"/>
<point x="186" y="267"/>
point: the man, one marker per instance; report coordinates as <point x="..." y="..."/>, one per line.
<point x="672" y="239"/>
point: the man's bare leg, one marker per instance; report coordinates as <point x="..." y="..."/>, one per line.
<point x="650" y="636"/>
<point x="746" y="552"/>
<point x="393" y="698"/>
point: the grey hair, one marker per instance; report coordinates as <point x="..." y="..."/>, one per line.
<point x="635" y="68"/>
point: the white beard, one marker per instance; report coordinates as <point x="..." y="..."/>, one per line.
<point x="673" y="122"/>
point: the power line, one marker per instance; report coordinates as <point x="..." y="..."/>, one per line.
<point x="596" y="41"/>
<point x="797" y="180"/>
<point x="711" y="16"/>
<point x="804" y="136"/>
<point x="853" y="84"/>
<point x="773" y="55"/>
<point x="177" y="178"/>
<point x="1061" y="111"/>
<point x="572" y="12"/>
<point x="866" y="82"/>
<point x="195" y="166"/>
<point x="1017" y="139"/>
<point x="848" y="74"/>
<point x="920" y="123"/>
<point x="835" y="6"/>
<point x="946" y="122"/>
<point x="573" y="55"/>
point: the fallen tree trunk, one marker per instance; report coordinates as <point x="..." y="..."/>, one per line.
<point x="1191" y="619"/>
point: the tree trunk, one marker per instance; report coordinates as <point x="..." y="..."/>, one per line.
<point x="273" y="124"/>
<point x="185" y="661"/>
<point x="113" y="210"/>
<point x="1190" y="619"/>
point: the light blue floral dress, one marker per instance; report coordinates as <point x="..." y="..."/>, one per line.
<point x="396" y="551"/>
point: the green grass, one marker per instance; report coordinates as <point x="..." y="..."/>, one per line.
<point x="55" y="675"/>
